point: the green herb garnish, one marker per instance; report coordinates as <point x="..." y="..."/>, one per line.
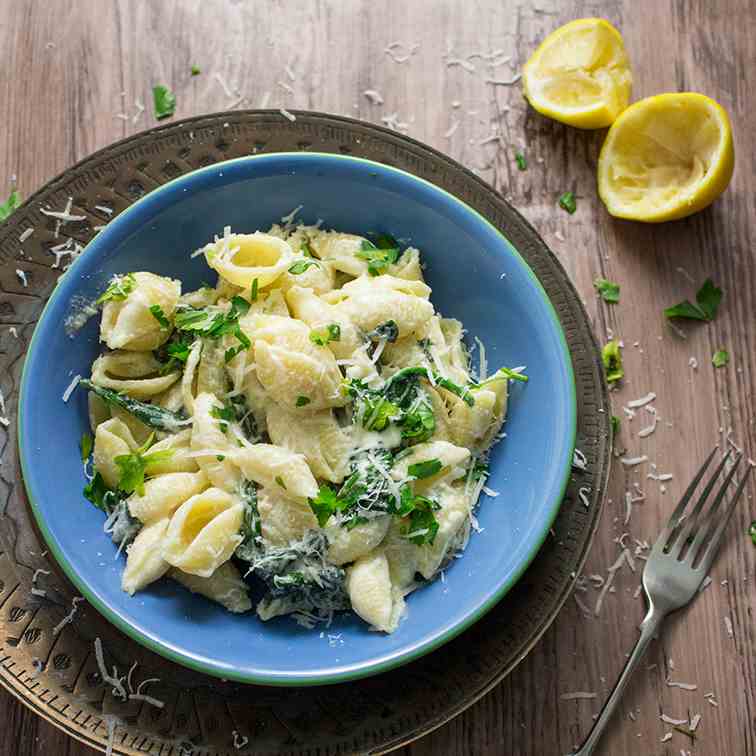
<point x="422" y="526"/>
<point x="132" y="466"/>
<point x="196" y="71"/>
<point x="165" y="102"/>
<point x="424" y="469"/>
<point x="300" y="266"/>
<point x="325" y="504"/>
<point x="253" y="292"/>
<point x="720" y="358"/>
<point x="567" y="202"/>
<point x="220" y="457"/>
<point x="218" y="324"/>
<point x="159" y="315"/>
<point x="118" y="289"/>
<point x="708" y="298"/>
<point x="752" y="532"/>
<point x="12" y="203"/>
<point x="615" y="425"/>
<point x="608" y="289"/>
<point x="86" y="445"/>
<point x="612" y="360"/>
<point x="280" y="482"/>
<point x="302" y="401"/>
<point x="305" y="248"/>
<point x="378" y="258"/>
<point x="522" y="164"/>
<point x="332" y="332"/>
<point x="388" y="330"/>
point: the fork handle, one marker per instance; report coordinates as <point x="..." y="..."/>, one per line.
<point x="648" y="628"/>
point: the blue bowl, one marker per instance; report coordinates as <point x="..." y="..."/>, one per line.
<point x="477" y="276"/>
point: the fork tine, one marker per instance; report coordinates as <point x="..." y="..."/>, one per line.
<point x="692" y="521"/>
<point x="713" y="546"/>
<point x="661" y="541"/>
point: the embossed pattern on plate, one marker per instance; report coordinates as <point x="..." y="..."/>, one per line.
<point x="52" y="668"/>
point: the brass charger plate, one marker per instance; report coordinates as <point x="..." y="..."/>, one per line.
<point x="53" y="669"/>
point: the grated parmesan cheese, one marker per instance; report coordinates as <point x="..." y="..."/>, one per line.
<point x="13" y="332"/>
<point x="239" y="740"/>
<point x="68" y="619"/>
<point x="583" y="496"/>
<point x="286" y="114"/>
<point x="672" y="720"/>
<point x="681" y="685"/>
<point x="374" y="96"/>
<point x="451" y="130"/>
<point x="577" y="696"/>
<point x="643" y="401"/>
<point x="104" y="209"/>
<point x="694" y="722"/>
<point x="64" y="216"/>
<point x="633" y="461"/>
<point x="22" y="277"/>
<point x="115" y="681"/>
<point x="226" y="89"/>
<point x="579" y="460"/>
<point x="71" y="386"/>
<point x="25" y="234"/>
<point x="111" y="734"/>
<point x="728" y="626"/>
<point x="504" y="82"/>
<point x="666" y="737"/>
<point x="649" y="429"/>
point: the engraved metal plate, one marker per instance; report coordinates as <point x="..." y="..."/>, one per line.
<point x="52" y="667"/>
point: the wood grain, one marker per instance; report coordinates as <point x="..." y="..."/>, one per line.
<point x="72" y="67"/>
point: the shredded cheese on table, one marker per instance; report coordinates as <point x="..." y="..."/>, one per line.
<point x="71" y="387"/>
<point x="286" y="114"/>
<point x="578" y="696"/>
<point x="22" y="277"/>
<point x="643" y="401"/>
<point x="25" y="234"/>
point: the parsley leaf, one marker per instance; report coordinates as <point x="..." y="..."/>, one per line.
<point x="325" y="504"/>
<point x="97" y="492"/>
<point x="720" y="358"/>
<point x="159" y="315"/>
<point x="11" y="204"/>
<point x="615" y="425"/>
<point x="218" y="324"/>
<point x="752" y="532"/>
<point x="302" y="401"/>
<point x="378" y="258"/>
<point x="253" y="291"/>
<point x="300" y="266"/>
<point x="322" y="337"/>
<point x="612" y="360"/>
<point x="118" y="289"/>
<point x="608" y="289"/>
<point x="133" y="466"/>
<point x="388" y="330"/>
<point x="422" y="526"/>
<point x="708" y="298"/>
<point x="425" y="469"/>
<point x="225" y="413"/>
<point x="280" y="482"/>
<point x="305" y="248"/>
<point x="386" y="241"/>
<point x="196" y="71"/>
<point x="165" y="102"/>
<point x="522" y="164"/>
<point x="86" y="446"/>
<point x="567" y="202"/>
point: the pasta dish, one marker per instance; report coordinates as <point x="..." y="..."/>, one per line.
<point x="306" y="436"/>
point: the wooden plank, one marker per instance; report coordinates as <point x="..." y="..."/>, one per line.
<point x="69" y="64"/>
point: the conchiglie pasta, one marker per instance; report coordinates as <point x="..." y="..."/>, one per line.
<point x="453" y="460"/>
<point x="476" y="426"/>
<point x="164" y="494"/>
<point x="372" y="594"/>
<point x="346" y="545"/>
<point x="144" y="561"/>
<point x="112" y="439"/>
<point x="129" y="324"/>
<point x="242" y="258"/>
<point x="208" y="436"/>
<point x="143" y="381"/>
<point x="277" y="468"/>
<point x="204" y="532"/>
<point x="325" y="445"/>
<point x="283" y="520"/>
<point x="225" y="586"/>
<point x="180" y="459"/>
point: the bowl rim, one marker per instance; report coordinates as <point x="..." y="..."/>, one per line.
<point x="294" y="679"/>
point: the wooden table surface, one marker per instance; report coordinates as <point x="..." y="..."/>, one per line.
<point x="73" y="75"/>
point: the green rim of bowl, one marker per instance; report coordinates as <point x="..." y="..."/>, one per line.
<point x="368" y="669"/>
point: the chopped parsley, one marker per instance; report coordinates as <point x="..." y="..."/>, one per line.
<point x="86" y="445"/>
<point x="612" y="359"/>
<point x="425" y="469"/>
<point x="752" y="532"/>
<point x="97" y="493"/>
<point x="505" y="372"/>
<point x="196" y="71"/>
<point x="305" y="248"/>
<point x="720" y="358"/>
<point x="133" y="466"/>
<point x="388" y="331"/>
<point x="214" y="325"/>
<point x="253" y="291"/>
<point x="164" y="101"/>
<point x="174" y="354"/>
<point x="280" y="482"/>
<point x="608" y="289"/>
<point x="159" y="315"/>
<point x="300" y="266"/>
<point x="332" y="332"/>
<point x="226" y="414"/>
<point x="302" y="401"/>
<point x="708" y="298"/>
<point x="118" y="289"/>
<point x="378" y="258"/>
<point x="567" y="202"/>
<point x="12" y="203"/>
<point x="522" y="164"/>
<point x="422" y="525"/>
<point x="326" y="503"/>
<point x="220" y="457"/>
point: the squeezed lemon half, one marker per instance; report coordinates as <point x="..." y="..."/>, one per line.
<point x="580" y="74"/>
<point x="666" y="157"/>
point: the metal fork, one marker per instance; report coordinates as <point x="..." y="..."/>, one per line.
<point x="676" y="567"/>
